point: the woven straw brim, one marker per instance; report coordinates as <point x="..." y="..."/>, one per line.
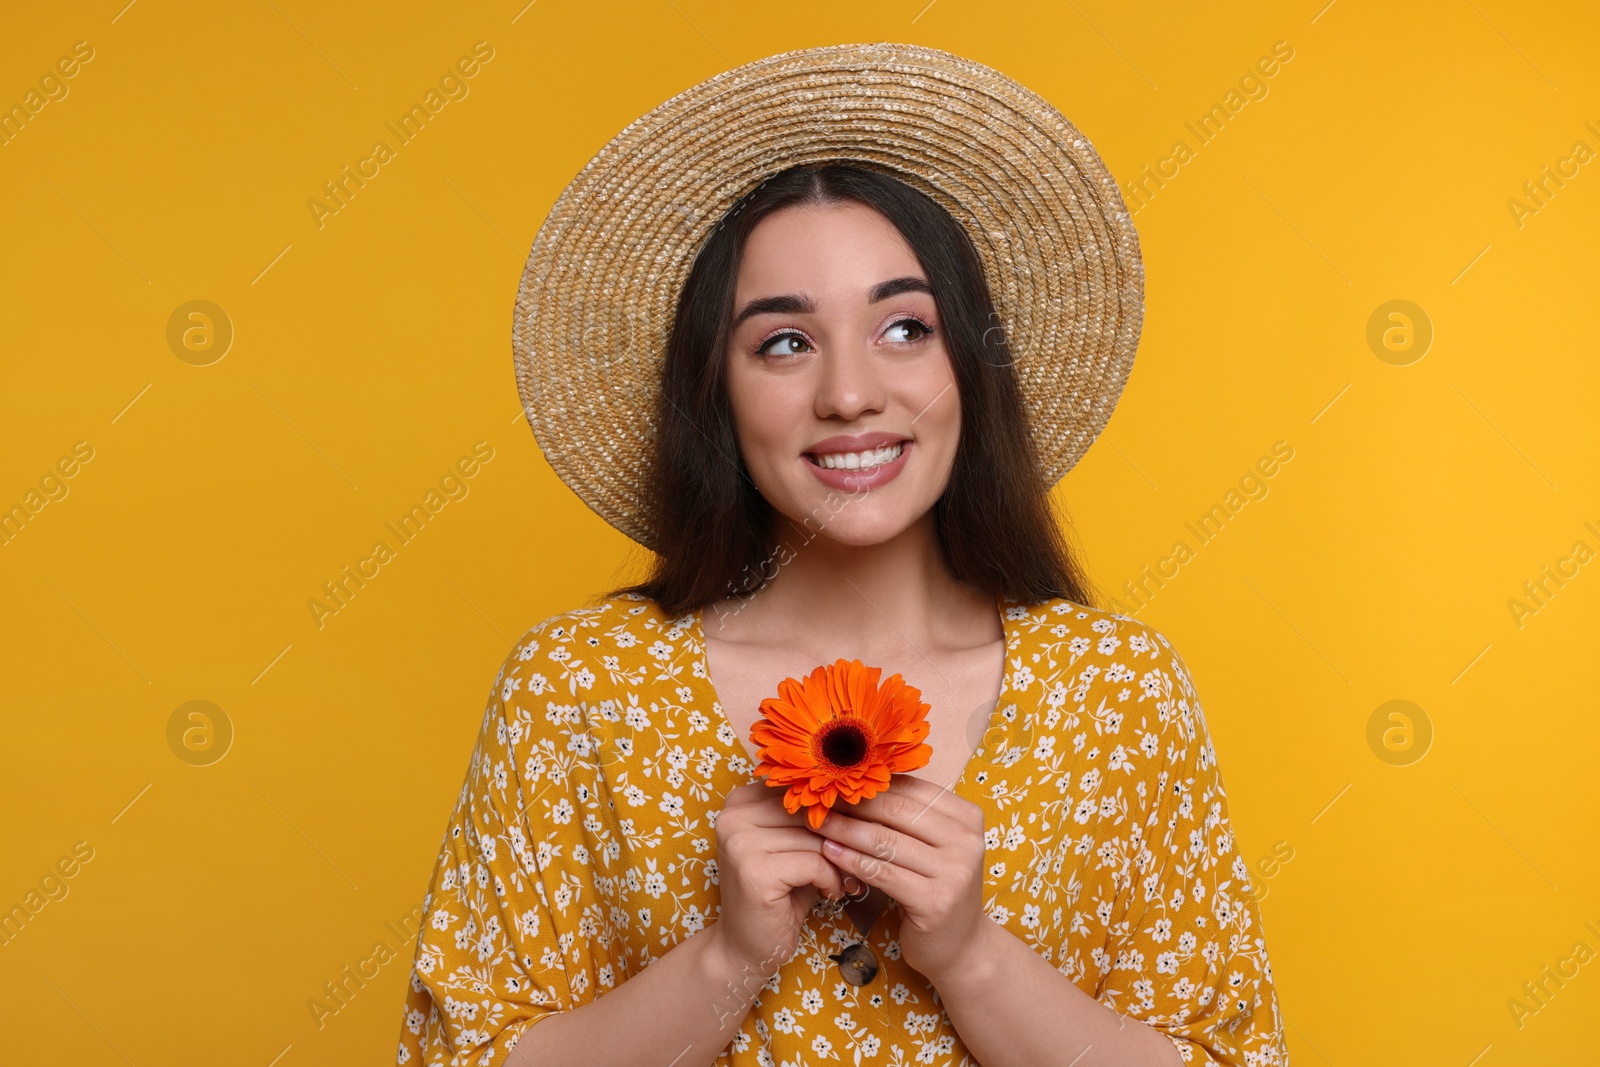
<point x="600" y="288"/>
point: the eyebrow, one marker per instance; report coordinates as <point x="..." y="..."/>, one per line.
<point x="793" y="304"/>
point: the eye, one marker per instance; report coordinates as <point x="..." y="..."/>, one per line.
<point x="917" y="325"/>
<point x="785" y="335"/>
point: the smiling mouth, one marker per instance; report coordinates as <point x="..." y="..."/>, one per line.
<point x="858" y="461"/>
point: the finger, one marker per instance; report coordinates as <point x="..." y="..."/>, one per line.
<point x="773" y="811"/>
<point x="797" y="870"/>
<point x="879" y="841"/>
<point x="917" y="810"/>
<point x="749" y="793"/>
<point x="791" y="839"/>
<point x="803" y="839"/>
<point x="954" y="811"/>
<point x="835" y="889"/>
<point x="781" y="834"/>
<point x="788" y="834"/>
<point x="758" y="804"/>
<point x="893" y="879"/>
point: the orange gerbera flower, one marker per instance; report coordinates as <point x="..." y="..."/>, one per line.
<point x="838" y="734"/>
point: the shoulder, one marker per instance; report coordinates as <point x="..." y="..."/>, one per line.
<point x="1118" y="687"/>
<point x="571" y="668"/>
<point x="1108" y="632"/>
<point x="576" y="645"/>
<point x="1096" y="652"/>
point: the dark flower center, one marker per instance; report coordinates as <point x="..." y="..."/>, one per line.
<point x="843" y="743"/>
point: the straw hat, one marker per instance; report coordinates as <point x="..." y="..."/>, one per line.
<point x="600" y="288"/>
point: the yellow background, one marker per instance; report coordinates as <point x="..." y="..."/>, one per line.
<point x="373" y="352"/>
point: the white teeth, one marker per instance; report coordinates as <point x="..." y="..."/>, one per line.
<point x="860" y="460"/>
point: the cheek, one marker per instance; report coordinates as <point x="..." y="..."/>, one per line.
<point x="762" y="418"/>
<point x="940" y="407"/>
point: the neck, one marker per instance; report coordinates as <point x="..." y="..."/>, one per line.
<point x="862" y="598"/>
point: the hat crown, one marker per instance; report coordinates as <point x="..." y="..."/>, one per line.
<point x="599" y="292"/>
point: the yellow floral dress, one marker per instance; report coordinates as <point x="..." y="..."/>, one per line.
<point x="583" y="847"/>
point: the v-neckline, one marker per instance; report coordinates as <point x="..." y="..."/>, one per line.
<point x="964" y="787"/>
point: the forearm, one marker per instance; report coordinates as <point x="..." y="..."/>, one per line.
<point x="682" y="1009"/>
<point x="1013" y="1009"/>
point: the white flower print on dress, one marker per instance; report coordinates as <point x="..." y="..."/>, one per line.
<point x="583" y="847"/>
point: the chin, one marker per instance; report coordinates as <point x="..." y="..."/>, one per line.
<point x="864" y="538"/>
<point x="873" y="518"/>
<point x="860" y="531"/>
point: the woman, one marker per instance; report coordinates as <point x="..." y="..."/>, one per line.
<point x="850" y="461"/>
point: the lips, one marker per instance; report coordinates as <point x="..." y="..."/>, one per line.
<point x="856" y="442"/>
<point x="875" y="465"/>
<point x="865" y="460"/>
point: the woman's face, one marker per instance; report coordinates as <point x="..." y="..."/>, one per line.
<point x="843" y="397"/>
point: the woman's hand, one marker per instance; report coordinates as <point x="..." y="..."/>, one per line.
<point x="922" y="845"/>
<point x="769" y="869"/>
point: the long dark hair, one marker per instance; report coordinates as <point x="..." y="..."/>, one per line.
<point x="994" y="519"/>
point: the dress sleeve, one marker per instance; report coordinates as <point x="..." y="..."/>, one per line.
<point x="1192" y="958"/>
<point x="504" y="943"/>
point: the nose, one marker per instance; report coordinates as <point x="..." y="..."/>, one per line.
<point x="849" y="384"/>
